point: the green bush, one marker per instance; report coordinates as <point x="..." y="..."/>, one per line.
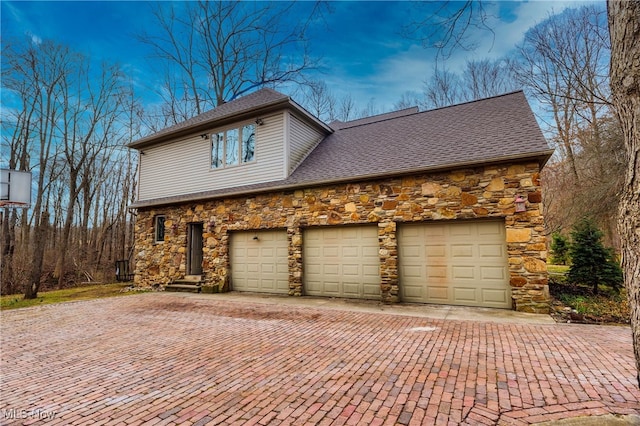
<point x="560" y="248"/>
<point x="592" y="262"/>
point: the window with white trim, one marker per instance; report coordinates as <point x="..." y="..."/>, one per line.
<point x="232" y="147"/>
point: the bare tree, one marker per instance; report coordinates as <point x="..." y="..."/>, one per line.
<point x="63" y="123"/>
<point x="216" y="51"/>
<point x="445" y="25"/>
<point x="346" y="109"/>
<point x="33" y="72"/>
<point x="407" y="100"/>
<point x="319" y="100"/>
<point x="443" y="89"/>
<point x="91" y="106"/>
<point x="562" y="64"/>
<point x="624" y="29"/>
<point x="479" y="79"/>
<point x="485" y="78"/>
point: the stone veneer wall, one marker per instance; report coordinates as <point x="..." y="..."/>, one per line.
<point x="472" y="193"/>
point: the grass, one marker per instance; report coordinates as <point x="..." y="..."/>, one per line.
<point x="605" y="307"/>
<point x="558" y="269"/>
<point x="15" y="301"/>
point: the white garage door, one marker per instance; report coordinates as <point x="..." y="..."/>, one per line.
<point x="462" y="263"/>
<point x="259" y="264"/>
<point x="342" y="262"/>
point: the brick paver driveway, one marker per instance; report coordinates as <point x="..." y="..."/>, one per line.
<point x="172" y="359"/>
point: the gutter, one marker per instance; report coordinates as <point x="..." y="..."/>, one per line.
<point x="542" y="157"/>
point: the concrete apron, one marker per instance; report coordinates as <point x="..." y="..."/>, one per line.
<point x="442" y="312"/>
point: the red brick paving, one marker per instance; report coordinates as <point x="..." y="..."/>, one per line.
<point x="158" y="359"/>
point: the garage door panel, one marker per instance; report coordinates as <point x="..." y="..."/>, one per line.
<point x="259" y="265"/>
<point x="351" y="290"/>
<point x="463" y="272"/>
<point x="348" y="265"/>
<point x="495" y="296"/>
<point x="440" y="294"/>
<point x="350" y="252"/>
<point x="436" y="251"/>
<point x="351" y="270"/>
<point x="465" y="294"/>
<point x="331" y="288"/>
<point x="463" y="230"/>
<point x="412" y="271"/>
<point x="492" y="273"/>
<point x="491" y="250"/>
<point x="433" y="231"/>
<point x="331" y="270"/>
<point x="462" y="250"/>
<point x="487" y="229"/>
<point x="413" y="292"/>
<point x="463" y="263"/>
<point x="410" y="251"/>
<point x="435" y="272"/>
<point x="330" y="250"/>
<point x="371" y="252"/>
<point x="373" y="272"/>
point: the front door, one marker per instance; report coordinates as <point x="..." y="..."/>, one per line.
<point x="194" y="252"/>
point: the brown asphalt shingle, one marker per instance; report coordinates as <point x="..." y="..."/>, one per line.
<point x="474" y="132"/>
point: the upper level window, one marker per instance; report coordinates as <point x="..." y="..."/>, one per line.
<point x="158" y="229"/>
<point x="233" y="146"/>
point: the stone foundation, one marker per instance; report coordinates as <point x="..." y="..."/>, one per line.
<point x="473" y="193"/>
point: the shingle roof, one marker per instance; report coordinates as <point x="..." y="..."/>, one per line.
<point x="260" y="98"/>
<point x="490" y="130"/>
<point x="473" y="132"/>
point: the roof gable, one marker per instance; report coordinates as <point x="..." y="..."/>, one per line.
<point x="254" y="103"/>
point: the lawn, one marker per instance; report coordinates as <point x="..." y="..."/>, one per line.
<point x="14" y="301"/>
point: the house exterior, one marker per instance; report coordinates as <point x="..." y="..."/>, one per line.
<point x="442" y="206"/>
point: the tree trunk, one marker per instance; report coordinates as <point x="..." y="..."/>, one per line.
<point x="39" y="241"/>
<point x="624" y="29"/>
<point x="8" y="220"/>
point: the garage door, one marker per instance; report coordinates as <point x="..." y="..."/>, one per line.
<point x="463" y="263"/>
<point x="342" y="262"/>
<point x="259" y="261"/>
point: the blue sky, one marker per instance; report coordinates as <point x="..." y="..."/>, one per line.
<point x="362" y="51"/>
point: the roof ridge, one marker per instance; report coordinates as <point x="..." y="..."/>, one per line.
<point x="476" y="100"/>
<point x="429" y="110"/>
<point x="377" y="118"/>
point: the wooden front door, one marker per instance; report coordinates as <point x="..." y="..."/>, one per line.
<point x="194" y="252"/>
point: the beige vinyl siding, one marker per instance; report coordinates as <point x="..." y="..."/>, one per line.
<point x="184" y="167"/>
<point x="302" y="139"/>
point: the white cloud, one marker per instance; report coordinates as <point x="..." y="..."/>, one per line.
<point x="35" y="39"/>
<point x="408" y="69"/>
